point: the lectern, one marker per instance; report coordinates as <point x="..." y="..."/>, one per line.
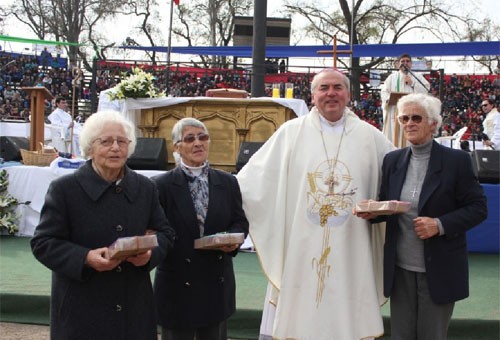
<point x="38" y="95"/>
<point x="395" y="96"/>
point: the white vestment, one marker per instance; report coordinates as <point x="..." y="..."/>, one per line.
<point x="324" y="264"/>
<point x="61" y="118"/>
<point x="395" y="83"/>
<point x="489" y="123"/>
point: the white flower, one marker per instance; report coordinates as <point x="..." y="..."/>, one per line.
<point x="137" y="85"/>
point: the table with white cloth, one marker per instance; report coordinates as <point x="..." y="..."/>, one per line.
<point x="230" y="121"/>
<point x="30" y="183"/>
<point x="19" y="129"/>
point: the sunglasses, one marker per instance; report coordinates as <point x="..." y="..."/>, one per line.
<point x="483" y="105"/>
<point x="404" y="119"/>
<point x="190" y="138"/>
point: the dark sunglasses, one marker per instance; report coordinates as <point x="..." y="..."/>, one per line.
<point x="190" y="138"/>
<point x="414" y="118"/>
<point x="483" y="105"/>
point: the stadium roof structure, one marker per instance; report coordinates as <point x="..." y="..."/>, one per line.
<point x="311" y="51"/>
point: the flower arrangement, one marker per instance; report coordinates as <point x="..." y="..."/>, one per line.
<point x="139" y="84"/>
<point x="8" y="204"/>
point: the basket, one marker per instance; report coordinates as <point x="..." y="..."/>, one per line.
<point x="41" y="157"/>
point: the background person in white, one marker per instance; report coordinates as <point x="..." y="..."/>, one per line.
<point x="298" y="191"/>
<point x="491" y="124"/>
<point x="60" y="117"/>
<point x="404" y="81"/>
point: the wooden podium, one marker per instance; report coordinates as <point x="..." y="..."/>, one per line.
<point x="38" y="95"/>
<point x="395" y="96"/>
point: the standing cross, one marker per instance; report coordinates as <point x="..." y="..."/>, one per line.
<point x="334" y="51"/>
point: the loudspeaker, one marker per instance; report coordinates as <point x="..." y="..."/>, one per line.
<point x="247" y="149"/>
<point x="149" y="154"/>
<point x="486" y="164"/>
<point x="10" y="147"/>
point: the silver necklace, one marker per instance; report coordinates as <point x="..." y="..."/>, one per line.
<point x="330" y="180"/>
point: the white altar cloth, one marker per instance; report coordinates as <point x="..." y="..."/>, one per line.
<point x="131" y="108"/>
<point x="30" y="183"/>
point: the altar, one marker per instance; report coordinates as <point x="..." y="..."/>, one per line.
<point x="230" y="121"/>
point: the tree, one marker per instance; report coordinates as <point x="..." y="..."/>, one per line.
<point x="485" y="30"/>
<point x="377" y="22"/>
<point x="212" y="21"/>
<point x="64" y="20"/>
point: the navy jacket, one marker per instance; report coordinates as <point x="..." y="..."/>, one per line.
<point x="451" y="193"/>
<point x="196" y="288"/>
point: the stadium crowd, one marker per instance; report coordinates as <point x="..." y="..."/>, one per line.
<point x="461" y="95"/>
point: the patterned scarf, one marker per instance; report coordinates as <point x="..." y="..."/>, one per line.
<point x="198" y="187"/>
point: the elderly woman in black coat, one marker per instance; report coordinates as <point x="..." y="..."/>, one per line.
<point x="94" y="297"/>
<point x="195" y="289"/>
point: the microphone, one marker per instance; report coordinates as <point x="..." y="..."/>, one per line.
<point x="484" y="137"/>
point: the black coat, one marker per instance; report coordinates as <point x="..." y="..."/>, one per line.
<point x="196" y="288"/>
<point x="83" y="212"/>
<point x="451" y="193"/>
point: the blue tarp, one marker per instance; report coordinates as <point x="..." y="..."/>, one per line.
<point x="382" y="50"/>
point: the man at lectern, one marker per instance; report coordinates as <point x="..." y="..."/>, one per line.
<point x="60" y="117"/>
<point x="400" y="82"/>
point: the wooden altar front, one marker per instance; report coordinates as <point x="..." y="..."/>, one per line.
<point x="229" y="122"/>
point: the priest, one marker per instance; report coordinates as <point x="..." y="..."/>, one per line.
<point x="322" y="263"/>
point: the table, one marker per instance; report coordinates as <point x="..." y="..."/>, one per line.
<point x="19" y="129"/>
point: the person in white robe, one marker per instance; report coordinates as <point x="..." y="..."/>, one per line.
<point x="61" y="118"/>
<point x="491" y="126"/>
<point x="323" y="264"/>
<point x="401" y="81"/>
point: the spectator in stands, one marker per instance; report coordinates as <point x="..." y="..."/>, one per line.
<point x="94" y="296"/>
<point x="425" y="251"/>
<point x="405" y="81"/>
<point x="60" y="117"/>
<point x="195" y="289"/>
<point x="489" y="123"/>
<point x="45" y="58"/>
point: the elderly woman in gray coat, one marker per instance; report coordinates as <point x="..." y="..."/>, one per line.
<point x="94" y="297"/>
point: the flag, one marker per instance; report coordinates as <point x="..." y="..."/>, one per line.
<point x="176" y="2"/>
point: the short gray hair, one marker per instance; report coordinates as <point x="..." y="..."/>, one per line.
<point x="431" y="105"/>
<point x="94" y="126"/>
<point x="179" y="127"/>
<point x="346" y="80"/>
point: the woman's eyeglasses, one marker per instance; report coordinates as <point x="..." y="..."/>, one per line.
<point x="404" y="119"/>
<point x="108" y="141"/>
<point x="190" y="138"/>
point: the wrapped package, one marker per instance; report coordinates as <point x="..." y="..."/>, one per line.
<point x="124" y="247"/>
<point x="218" y="240"/>
<point x="383" y="207"/>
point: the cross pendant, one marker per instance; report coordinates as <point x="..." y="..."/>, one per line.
<point x="413" y="192"/>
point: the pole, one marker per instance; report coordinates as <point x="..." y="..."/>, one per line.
<point x="169" y="46"/>
<point x="259" y="47"/>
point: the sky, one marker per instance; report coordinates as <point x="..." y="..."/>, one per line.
<point x="484" y="8"/>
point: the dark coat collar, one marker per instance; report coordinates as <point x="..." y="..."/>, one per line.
<point x="95" y="186"/>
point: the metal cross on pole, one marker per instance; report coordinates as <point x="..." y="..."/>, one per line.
<point x="335" y="52"/>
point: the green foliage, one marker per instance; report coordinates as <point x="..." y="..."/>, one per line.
<point x="8" y="218"/>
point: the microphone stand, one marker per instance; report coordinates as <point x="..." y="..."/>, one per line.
<point x="407" y="69"/>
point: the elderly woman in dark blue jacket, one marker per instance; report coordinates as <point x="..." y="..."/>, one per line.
<point x="195" y="289"/>
<point x="94" y="297"/>
<point x="425" y="251"/>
